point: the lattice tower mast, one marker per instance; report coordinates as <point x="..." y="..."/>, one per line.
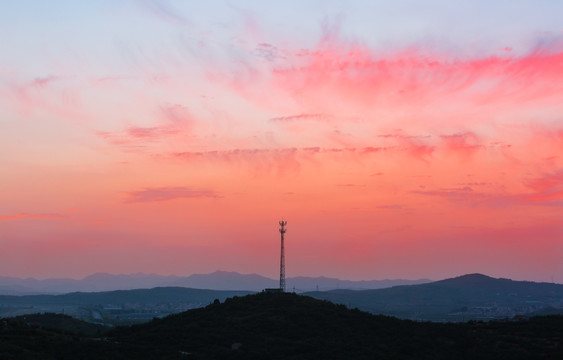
<point x="282" y="258"/>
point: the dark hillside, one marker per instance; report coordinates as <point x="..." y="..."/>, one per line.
<point x="288" y="326"/>
<point x="277" y="326"/>
<point x="119" y="307"/>
<point x="54" y="336"/>
<point x="61" y="323"/>
<point x="472" y="282"/>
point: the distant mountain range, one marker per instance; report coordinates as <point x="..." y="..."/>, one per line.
<point x="468" y="297"/>
<point x="473" y="296"/>
<point x="219" y="280"/>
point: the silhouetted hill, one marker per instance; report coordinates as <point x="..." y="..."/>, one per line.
<point x="468" y="279"/>
<point x="480" y="281"/>
<point x="114" y="307"/>
<point x="61" y="323"/>
<point x="473" y="296"/>
<point x="289" y="326"/>
<point x="140" y="296"/>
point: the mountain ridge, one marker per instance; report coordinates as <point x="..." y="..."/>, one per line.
<point x="471" y="296"/>
<point x="218" y="280"/>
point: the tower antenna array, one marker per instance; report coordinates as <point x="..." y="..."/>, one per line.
<point x="282" y="258"/>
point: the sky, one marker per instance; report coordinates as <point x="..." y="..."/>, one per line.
<point x="404" y="139"/>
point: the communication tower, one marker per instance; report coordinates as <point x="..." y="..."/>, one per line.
<point x="282" y="258"/>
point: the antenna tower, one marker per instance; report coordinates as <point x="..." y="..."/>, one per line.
<point x="282" y="258"/>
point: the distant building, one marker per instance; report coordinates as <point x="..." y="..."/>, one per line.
<point x="273" y="290"/>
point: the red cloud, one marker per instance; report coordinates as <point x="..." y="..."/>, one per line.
<point x="548" y="188"/>
<point x="360" y="76"/>
<point x="175" y="120"/>
<point x="464" y="144"/>
<point x="411" y="87"/>
<point x="168" y="193"/>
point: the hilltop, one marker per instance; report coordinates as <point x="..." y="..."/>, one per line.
<point x="472" y="296"/>
<point x="290" y="326"/>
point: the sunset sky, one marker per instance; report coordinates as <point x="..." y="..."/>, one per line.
<point x="399" y="139"/>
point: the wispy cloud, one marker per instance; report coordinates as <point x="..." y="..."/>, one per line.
<point x="417" y="146"/>
<point x="44" y="81"/>
<point x="136" y="137"/>
<point x="232" y="153"/>
<point x="168" y="193"/>
<point x="269" y="52"/>
<point x="162" y="10"/>
<point x="177" y="114"/>
<point x="433" y="89"/>
<point x="353" y="71"/>
<point x="31" y="216"/>
<point x="51" y="94"/>
<point x="150" y="132"/>
<point x="548" y="188"/>
<point x="391" y="207"/>
<point x="299" y="117"/>
<point x="547" y="191"/>
<point x="172" y="120"/>
<point x="276" y="153"/>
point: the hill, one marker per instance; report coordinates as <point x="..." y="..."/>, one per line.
<point x="60" y="323"/>
<point x="139" y="296"/>
<point x="473" y="296"/>
<point x="115" y="307"/>
<point x="289" y="326"/>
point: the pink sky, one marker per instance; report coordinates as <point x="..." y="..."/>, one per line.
<point x="151" y="137"/>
